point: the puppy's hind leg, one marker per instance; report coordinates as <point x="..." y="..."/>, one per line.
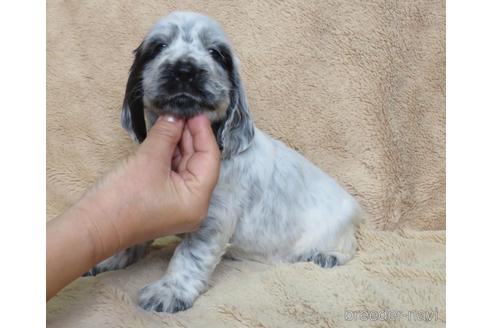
<point x="330" y="255"/>
<point x="121" y="260"/>
<point x="190" y="268"/>
<point x="323" y="260"/>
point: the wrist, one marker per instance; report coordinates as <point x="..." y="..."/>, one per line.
<point x="73" y="246"/>
<point x="98" y="213"/>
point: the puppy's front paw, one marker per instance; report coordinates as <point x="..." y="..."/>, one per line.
<point x="121" y="260"/>
<point x="116" y="262"/>
<point x="163" y="296"/>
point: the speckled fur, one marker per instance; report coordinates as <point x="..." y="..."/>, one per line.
<point x="357" y="87"/>
<point x="270" y="204"/>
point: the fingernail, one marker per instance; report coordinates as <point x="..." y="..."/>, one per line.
<point x="168" y="118"/>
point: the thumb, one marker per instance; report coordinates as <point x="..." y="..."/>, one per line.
<point x="163" y="138"/>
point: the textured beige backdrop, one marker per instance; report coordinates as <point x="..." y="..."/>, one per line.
<point x="358" y="87"/>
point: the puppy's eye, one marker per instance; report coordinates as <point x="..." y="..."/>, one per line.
<point x="215" y="54"/>
<point x="222" y="56"/>
<point x="157" y="48"/>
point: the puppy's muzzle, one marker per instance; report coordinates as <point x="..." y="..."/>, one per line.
<point x="181" y="89"/>
<point x="182" y="77"/>
<point x="184" y="72"/>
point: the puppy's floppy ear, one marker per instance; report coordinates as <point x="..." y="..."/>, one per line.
<point x="132" y="113"/>
<point x="237" y="131"/>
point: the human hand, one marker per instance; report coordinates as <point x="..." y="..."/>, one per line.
<point x="150" y="194"/>
<point x="165" y="187"/>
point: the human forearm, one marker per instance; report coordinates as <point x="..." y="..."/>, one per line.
<point x="149" y="194"/>
<point x="76" y="241"/>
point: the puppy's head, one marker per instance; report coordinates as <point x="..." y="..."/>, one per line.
<point x="185" y="66"/>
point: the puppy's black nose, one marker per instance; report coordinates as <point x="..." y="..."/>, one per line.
<point x="184" y="71"/>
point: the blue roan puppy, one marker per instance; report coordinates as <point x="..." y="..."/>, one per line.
<point x="270" y="204"/>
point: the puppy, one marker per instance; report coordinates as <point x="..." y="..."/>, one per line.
<point x="270" y="204"/>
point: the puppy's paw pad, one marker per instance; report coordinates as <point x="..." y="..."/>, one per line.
<point x="162" y="297"/>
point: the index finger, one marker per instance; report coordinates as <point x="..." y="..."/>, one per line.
<point x="202" y="135"/>
<point x="202" y="168"/>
